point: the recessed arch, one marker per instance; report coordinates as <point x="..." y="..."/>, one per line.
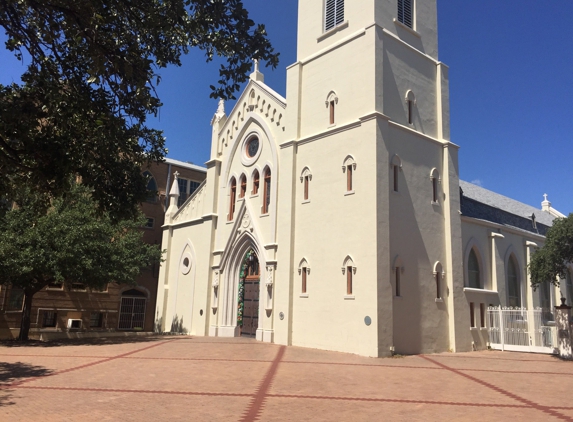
<point x="474" y="277"/>
<point x="513" y="279"/>
<point x="303" y="264"/>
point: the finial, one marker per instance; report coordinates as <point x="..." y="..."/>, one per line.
<point x="256" y="61"/>
<point x="545" y="196"/>
<point x="221" y="107"/>
<point x="176" y="174"/>
<point x="257" y="75"/>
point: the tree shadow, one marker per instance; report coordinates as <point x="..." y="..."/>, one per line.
<point x="11" y="372"/>
<point x="101" y="341"/>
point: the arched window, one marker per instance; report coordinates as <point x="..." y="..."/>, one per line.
<point x="243" y="190"/>
<point x="435" y="178"/>
<point x="474" y="276"/>
<point x="256" y="181"/>
<point x="304" y="271"/>
<point x="410" y="103"/>
<point x="232" y="198"/>
<point x="331" y="102"/>
<point x="349" y="268"/>
<point x="438" y="277"/>
<point x="348" y="166"/>
<point x="305" y="178"/>
<point x="513" y="290"/>
<point x="267" y="191"/>
<point x="151" y="187"/>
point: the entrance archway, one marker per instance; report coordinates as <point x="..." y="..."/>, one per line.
<point x="248" y="296"/>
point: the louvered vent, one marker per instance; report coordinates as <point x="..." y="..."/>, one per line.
<point x="334" y="14"/>
<point x="405" y="12"/>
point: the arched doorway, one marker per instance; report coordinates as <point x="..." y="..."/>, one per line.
<point x="132" y="310"/>
<point x="248" y="297"/>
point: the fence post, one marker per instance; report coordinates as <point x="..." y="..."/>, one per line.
<point x="501" y="329"/>
<point x="563" y="327"/>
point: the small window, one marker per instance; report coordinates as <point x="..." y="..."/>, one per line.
<point x="303" y="275"/>
<point x="410" y="112"/>
<point x="349" y="178"/>
<point x="406" y="12"/>
<point x="396" y="172"/>
<point x="331" y="112"/>
<point x="349" y="281"/>
<point x="434" y="190"/>
<point x="193" y="186"/>
<point x="472" y="316"/>
<point x="149" y="223"/>
<point x="306" y="188"/>
<point x="267" y="191"/>
<point x="438" y="277"/>
<point x="397" y="280"/>
<point x="15" y="299"/>
<point x="183" y="190"/>
<point x="80" y="287"/>
<point x="49" y="319"/>
<point x="256" y="181"/>
<point x="55" y="286"/>
<point x="482" y="315"/>
<point x="334" y="13"/>
<point x="243" y="190"/>
<point x="103" y="289"/>
<point x="151" y="187"/>
<point x="232" y="199"/>
<point x="96" y="319"/>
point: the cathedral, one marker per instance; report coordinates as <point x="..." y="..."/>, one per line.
<point x="334" y="218"/>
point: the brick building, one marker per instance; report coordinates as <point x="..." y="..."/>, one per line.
<point x="57" y="310"/>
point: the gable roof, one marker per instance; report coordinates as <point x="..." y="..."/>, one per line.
<point x="487" y="205"/>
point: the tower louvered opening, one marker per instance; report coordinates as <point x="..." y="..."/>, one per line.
<point x="334" y="13"/>
<point x="406" y="12"/>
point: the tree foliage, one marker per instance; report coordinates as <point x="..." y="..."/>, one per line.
<point x="70" y="243"/>
<point x="550" y="262"/>
<point x="90" y="86"/>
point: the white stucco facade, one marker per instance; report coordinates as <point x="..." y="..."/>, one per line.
<point x="368" y="96"/>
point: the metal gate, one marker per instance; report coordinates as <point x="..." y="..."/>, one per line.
<point x="251" y="309"/>
<point x="521" y="330"/>
<point x="132" y="313"/>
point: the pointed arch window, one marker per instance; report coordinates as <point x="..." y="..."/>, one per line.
<point x="513" y="288"/>
<point x="151" y="187"/>
<point x="256" y="182"/>
<point x="474" y="274"/>
<point x="333" y="14"/>
<point x="397" y="269"/>
<point x="232" y="199"/>
<point x="267" y="190"/>
<point x="243" y="190"/>
<point x="348" y="167"/>
<point x="304" y="271"/>
<point x="305" y="178"/>
<point x="396" y="166"/>
<point x="438" y="277"/>
<point x="435" y="179"/>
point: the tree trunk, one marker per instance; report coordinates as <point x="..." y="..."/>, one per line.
<point x="25" y="323"/>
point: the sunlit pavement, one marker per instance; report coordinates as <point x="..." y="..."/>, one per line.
<point x="214" y="379"/>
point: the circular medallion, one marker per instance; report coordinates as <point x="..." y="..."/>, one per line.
<point x="367" y="320"/>
<point x="281" y="316"/>
<point x="252" y="147"/>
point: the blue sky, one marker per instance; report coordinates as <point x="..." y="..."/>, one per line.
<point x="511" y="92"/>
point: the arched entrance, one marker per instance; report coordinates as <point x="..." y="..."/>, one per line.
<point x="132" y="310"/>
<point x="248" y="297"/>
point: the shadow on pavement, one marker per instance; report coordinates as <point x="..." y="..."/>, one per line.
<point x="102" y="341"/>
<point x="16" y="371"/>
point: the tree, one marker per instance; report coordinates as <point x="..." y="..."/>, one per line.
<point x="90" y="86"/>
<point x="549" y="263"/>
<point x="73" y="242"/>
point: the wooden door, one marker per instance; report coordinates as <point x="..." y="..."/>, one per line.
<point x="251" y="302"/>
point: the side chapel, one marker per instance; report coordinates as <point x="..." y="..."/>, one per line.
<point x="334" y="218"/>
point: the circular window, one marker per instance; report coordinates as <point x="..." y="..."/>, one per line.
<point x="186" y="262"/>
<point x="185" y="265"/>
<point x="252" y="147"/>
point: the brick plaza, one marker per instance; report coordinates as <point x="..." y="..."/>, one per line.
<point x="238" y="379"/>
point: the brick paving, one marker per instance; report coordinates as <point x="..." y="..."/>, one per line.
<point x="214" y="379"/>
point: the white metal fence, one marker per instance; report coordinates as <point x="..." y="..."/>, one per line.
<point x="521" y="330"/>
